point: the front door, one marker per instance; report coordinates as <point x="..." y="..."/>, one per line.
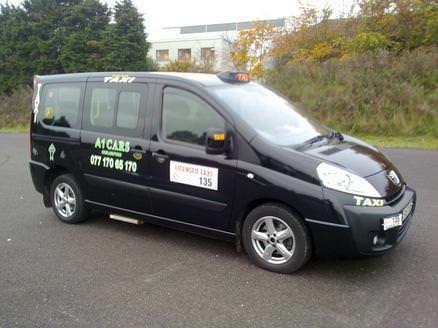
<point x="113" y="144"/>
<point x="187" y="184"/>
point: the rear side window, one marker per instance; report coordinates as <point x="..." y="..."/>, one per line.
<point x="186" y="117"/>
<point x="103" y="103"/>
<point x="115" y="109"/>
<point x="61" y="105"/>
<point x="128" y="109"/>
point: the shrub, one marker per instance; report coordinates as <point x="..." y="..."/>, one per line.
<point x="188" y="66"/>
<point x="14" y="109"/>
<point x="378" y="93"/>
<point x="368" y="41"/>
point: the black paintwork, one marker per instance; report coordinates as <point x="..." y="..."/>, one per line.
<point x="281" y="174"/>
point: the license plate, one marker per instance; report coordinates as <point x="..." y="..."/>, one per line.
<point x="397" y="220"/>
<point x="392" y="222"/>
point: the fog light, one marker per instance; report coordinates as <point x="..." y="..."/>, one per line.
<point x="375" y="240"/>
<point x="379" y="240"/>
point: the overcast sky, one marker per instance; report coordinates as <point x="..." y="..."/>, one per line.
<point x="159" y="14"/>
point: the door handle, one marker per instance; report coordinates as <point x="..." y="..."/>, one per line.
<point x="160" y="156"/>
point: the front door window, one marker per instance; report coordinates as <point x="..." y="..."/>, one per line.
<point x="186" y="117"/>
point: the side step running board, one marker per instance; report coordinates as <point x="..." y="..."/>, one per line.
<point x="125" y="219"/>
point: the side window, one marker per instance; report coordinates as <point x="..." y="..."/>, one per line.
<point x="186" y="117"/>
<point x="128" y="110"/>
<point x="102" y="107"/>
<point x="61" y="104"/>
<point x="115" y="109"/>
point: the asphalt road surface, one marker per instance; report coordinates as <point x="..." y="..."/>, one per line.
<point x="106" y="273"/>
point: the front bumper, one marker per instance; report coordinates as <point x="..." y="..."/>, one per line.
<point x="361" y="230"/>
<point x="367" y="223"/>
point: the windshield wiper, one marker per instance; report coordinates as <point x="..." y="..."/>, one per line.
<point x="313" y="140"/>
<point x="335" y="134"/>
<point x="332" y="135"/>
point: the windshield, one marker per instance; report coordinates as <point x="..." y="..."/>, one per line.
<point x="270" y="115"/>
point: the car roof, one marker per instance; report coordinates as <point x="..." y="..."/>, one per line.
<point x="201" y="79"/>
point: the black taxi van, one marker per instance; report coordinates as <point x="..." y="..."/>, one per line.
<point x="217" y="155"/>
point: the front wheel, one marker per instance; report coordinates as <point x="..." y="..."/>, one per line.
<point x="67" y="199"/>
<point x="276" y="239"/>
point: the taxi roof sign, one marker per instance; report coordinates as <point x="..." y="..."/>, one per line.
<point x="234" y="77"/>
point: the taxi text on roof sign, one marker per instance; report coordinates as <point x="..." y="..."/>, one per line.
<point x="234" y="77"/>
<point x="119" y="78"/>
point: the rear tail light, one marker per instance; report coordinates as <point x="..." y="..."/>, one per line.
<point x="30" y="131"/>
<point x="35" y="81"/>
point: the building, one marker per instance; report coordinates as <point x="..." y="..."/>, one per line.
<point x="203" y="44"/>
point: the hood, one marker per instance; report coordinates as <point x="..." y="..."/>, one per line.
<point x="353" y="154"/>
<point x="360" y="158"/>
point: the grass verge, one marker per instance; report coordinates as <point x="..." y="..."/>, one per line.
<point x="16" y="128"/>
<point x="420" y="142"/>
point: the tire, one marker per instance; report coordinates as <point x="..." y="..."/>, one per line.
<point x="67" y="199"/>
<point x="283" y="246"/>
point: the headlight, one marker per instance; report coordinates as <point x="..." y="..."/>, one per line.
<point x="336" y="178"/>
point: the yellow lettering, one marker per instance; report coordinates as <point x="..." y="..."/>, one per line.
<point x="358" y="200"/>
<point x="97" y="144"/>
<point x="121" y="145"/>
<point x="367" y="202"/>
<point x="115" y="146"/>
<point x="377" y="202"/>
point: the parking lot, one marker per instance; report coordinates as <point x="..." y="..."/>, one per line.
<point x="106" y="273"/>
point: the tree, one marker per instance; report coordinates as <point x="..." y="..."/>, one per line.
<point x="378" y="25"/>
<point x="125" y="40"/>
<point x="250" y="49"/>
<point x="313" y="35"/>
<point x="31" y="39"/>
<point x="59" y="36"/>
<point x="406" y="23"/>
<point x="45" y="20"/>
<point x="48" y="37"/>
<point x="14" y="71"/>
<point x="84" y="29"/>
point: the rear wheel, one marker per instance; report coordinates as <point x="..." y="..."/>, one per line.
<point x="276" y="239"/>
<point x="67" y="199"/>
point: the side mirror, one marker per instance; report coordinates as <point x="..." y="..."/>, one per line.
<point x="216" y="142"/>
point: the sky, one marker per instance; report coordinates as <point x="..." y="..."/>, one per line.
<point x="171" y="13"/>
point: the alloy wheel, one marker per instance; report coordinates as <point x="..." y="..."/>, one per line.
<point x="273" y="240"/>
<point x="65" y="200"/>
